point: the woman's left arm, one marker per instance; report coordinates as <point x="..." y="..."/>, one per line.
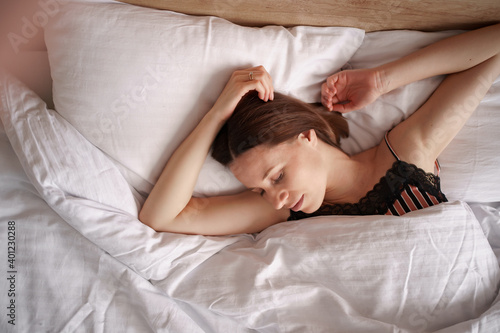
<point x="353" y="89"/>
<point x="447" y="56"/>
<point x="424" y="135"/>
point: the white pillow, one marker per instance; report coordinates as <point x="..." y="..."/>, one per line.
<point x="135" y="81"/>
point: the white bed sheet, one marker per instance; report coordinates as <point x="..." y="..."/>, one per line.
<point x="79" y="272"/>
<point x="65" y="283"/>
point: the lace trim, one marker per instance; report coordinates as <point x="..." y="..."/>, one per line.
<point x="389" y="188"/>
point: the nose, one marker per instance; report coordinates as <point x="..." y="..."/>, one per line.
<point x="278" y="198"/>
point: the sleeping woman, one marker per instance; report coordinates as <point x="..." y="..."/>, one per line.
<point x="287" y="153"/>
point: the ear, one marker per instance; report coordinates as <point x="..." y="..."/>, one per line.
<point x="309" y="137"/>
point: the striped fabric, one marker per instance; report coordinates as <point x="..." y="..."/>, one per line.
<point x="411" y="198"/>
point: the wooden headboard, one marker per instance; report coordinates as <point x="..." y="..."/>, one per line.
<point x="370" y="15"/>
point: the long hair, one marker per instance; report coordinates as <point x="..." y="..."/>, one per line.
<point x="255" y="122"/>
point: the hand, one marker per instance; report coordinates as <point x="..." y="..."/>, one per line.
<point x="351" y="90"/>
<point x="241" y="82"/>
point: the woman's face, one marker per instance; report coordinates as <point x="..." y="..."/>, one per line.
<point x="289" y="175"/>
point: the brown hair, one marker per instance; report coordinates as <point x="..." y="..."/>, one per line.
<point x="255" y="122"/>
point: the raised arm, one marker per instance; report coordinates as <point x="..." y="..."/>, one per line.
<point x="171" y="205"/>
<point x="472" y="61"/>
<point x="422" y="137"/>
<point x="351" y="90"/>
<point x="450" y="55"/>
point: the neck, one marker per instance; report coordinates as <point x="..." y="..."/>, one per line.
<point x="347" y="178"/>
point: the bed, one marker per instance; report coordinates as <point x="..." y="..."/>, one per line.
<point x="118" y="86"/>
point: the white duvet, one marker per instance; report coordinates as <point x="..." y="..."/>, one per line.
<point x="85" y="263"/>
<point x="426" y="271"/>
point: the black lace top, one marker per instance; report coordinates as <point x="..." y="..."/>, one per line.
<point x="404" y="188"/>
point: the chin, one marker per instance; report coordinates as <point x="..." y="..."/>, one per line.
<point x="311" y="208"/>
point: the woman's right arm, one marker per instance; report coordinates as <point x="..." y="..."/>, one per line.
<point x="171" y="206"/>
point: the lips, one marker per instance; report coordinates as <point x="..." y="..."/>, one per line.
<point x="298" y="205"/>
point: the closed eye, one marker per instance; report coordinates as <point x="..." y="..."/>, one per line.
<point x="279" y="178"/>
<point x="274" y="182"/>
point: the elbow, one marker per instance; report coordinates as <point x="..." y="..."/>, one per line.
<point x="151" y="221"/>
<point x="164" y="222"/>
<point x="146" y="219"/>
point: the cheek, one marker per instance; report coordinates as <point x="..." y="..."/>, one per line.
<point x="313" y="180"/>
<point x="301" y="177"/>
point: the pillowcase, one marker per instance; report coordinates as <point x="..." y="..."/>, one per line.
<point x="136" y="81"/>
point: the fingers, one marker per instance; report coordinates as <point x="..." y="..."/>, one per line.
<point x="335" y="95"/>
<point x="327" y="96"/>
<point x="329" y="92"/>
<point x="256" y="78"/>
<point x="265" y="83"/>
<point x="342" y="107"/>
